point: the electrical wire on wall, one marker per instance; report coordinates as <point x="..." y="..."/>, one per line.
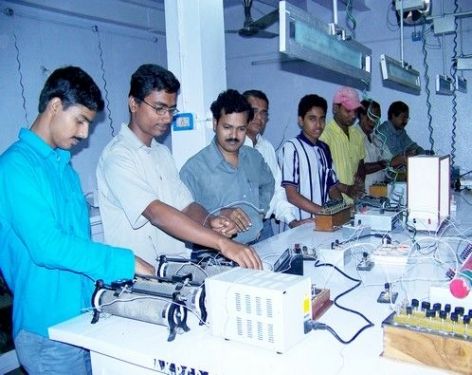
<point x="426" y="80"/>
<point x="454" y="90"/>
<point x="105" y="87"/>
<point x="350" y="20"/>
<point x="10" y="13"/>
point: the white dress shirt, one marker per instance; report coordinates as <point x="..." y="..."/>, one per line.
<point x="130" y="176"/>
<point x="279" y="206"/>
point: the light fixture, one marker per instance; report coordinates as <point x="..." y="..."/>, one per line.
<point x="461" y="84"/>
<point x="305" y="37"/>
<point x="408" y="5"/>
<point x="444" y="85"/>
<point x="464" y="63"/>
<point x="399" y="76"/>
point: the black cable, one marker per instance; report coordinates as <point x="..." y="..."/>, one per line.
<point x="10" y="13"/>
<point x="105" y="86"/>
<point x="465" y="174"/>
<point x="454" y="93"/>
<point x="350" y="20"/>
<point x="426" y="86"/>
<point x="316" y="325"/>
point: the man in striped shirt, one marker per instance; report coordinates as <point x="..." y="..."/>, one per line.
<point x="307" y="168"/>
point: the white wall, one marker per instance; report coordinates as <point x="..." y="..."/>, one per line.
<point x="47" y="40"/>
<point x="249" y="66"/>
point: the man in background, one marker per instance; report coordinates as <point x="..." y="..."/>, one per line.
<point x="142" y="200"/>
<point x="346" y="143"/>
<point x="279" y="207"/>
<point x="228" y="177"/>
<point x="46" y="254"/>
<point x="375" y="160"/>
<point x="393" y="132"/>
<point x="377" y="154"/>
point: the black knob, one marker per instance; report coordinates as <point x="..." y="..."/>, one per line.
<point x="447" y="307"/>
<point x="454" y="317"/>
<point x="425" y="305"/>
<point x="430" y="313"/>
<point x="437" y="307"/>
<point x="459" y="310"/>
<point x="415" y="303"/>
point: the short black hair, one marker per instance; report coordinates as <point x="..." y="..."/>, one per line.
<point x="309" y="101"/>
<point x="396" y="108"/>
<point x="256" y="94"/>
<point x="230" y="101"/>
<point x="150" y="77"/>
<point x="366" y="104"/>
<point x="73" y="86"/>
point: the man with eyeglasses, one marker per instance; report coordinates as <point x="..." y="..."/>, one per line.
<point x="279" y="207"/>
<point x="143" y="202"/>
<point x="377" y="154"/>
<point x="393" y="132"/>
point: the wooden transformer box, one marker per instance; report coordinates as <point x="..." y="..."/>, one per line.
<point x="331" y="218"/>
<point x="428" y="342"/>
<point x="378" y="190"/>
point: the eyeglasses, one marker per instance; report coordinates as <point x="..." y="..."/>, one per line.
<point x="162" y="110"/>
<point x="261" y="112"/>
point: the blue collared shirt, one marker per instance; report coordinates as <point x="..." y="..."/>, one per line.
<point x="46" y="255"/>
<point x="216" y="184"/>
<point x="397" y="140"/>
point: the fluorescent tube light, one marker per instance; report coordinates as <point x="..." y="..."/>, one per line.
<point x="399" y="77"/>
<point x="305" y="37"/>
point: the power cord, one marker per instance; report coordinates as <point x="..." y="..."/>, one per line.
<point x="323" y="326"/>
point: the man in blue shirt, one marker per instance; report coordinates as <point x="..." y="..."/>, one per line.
<point x="46" y="254"/>
<point x="393" y="132"/>
<point x="228" y="177"/>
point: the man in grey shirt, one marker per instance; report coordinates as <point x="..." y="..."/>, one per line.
<point x="393" y="132"/>
<point x="228" y="177"/>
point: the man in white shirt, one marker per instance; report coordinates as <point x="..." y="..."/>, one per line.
<point x="143" y="202"/>
<point x="375" y="160"/>
<point x="377" y="154"/>
<point x="279" y="207"/>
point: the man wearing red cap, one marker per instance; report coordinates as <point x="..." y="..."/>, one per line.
<point x="346" y="143"/>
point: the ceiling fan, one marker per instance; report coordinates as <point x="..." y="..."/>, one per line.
<point x="256" y="28"/>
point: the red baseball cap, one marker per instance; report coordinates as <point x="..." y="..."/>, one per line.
<point x="348" y="97"/>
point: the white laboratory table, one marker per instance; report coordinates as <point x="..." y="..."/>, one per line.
<point x="124" y="346"/>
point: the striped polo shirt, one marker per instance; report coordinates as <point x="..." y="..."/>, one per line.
<point x="309" y="167"/>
